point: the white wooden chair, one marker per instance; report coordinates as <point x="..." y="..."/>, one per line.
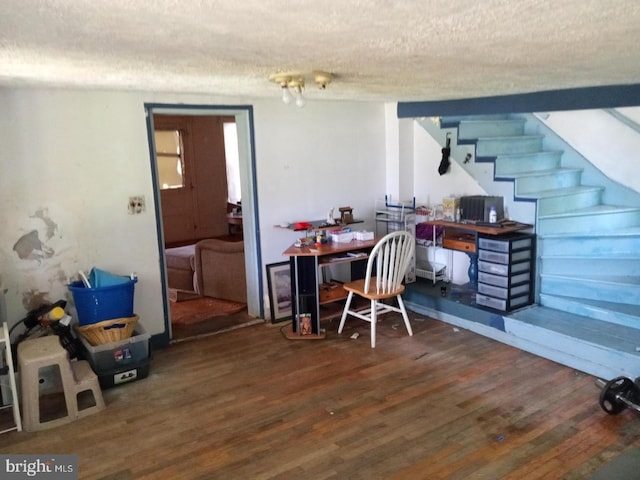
<point x="390" y="258"/>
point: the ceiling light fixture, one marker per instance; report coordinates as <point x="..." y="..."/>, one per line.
<point x="294" y="82"/>
<point x="286" y="94"/>
<point x="297" y="85"/>
<point x="322" y="79"/>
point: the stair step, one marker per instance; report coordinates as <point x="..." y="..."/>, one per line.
<point x="564" y="200"/>
<point x="526" y="162"/>
<point x="592" y="219"/>
<point x="537" y="181"/>
<point x="494" y="146"/>
<point x="451" y="121"/>
<point x="472" y="129"/>
<point x="606" y="243"/>
<point x="587" y="264"/>
<point x="587" y="343"/>
<point x="595" y="331"/>
<point x="623" y="289"/>
<point x="587" y="256"/>
<point x="616" y="313"/>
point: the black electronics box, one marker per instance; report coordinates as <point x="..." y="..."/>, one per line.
<point x="476" y="208"/>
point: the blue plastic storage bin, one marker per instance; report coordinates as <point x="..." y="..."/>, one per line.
<point x="94" y="305"/>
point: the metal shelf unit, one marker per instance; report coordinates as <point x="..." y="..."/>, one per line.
<point x="392" y="217"/>
<point x="426" y="265"/>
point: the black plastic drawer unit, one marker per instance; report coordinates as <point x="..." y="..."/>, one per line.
<point x="506" y="274"/>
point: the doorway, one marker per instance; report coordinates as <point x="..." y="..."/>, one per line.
<point x="194" y="129"/>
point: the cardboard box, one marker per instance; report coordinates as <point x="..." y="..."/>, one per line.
<point x="449" y="207"/>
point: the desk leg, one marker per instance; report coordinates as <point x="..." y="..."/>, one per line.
<point x="304" y="290"/>
<point x="473" y="269"/>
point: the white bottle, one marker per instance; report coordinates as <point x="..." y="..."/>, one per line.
<point x="493" y="216"/>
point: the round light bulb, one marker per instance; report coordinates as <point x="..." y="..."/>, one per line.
<point x="286" y="95"/>
<point x="300" y="101"/>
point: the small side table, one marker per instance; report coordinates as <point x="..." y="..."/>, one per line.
<point x="235" y="222"/>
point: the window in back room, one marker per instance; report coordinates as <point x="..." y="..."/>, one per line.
<point x="233" y="162"/>
<point x="170" y="160"/>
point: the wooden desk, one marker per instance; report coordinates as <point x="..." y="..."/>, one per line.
<point x="306" y="263"/>
<point x="463" y="237"/>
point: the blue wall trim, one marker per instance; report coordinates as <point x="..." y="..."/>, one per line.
<point x="553" y="100"/>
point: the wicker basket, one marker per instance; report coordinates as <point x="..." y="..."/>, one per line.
<point x="108" y="331"/>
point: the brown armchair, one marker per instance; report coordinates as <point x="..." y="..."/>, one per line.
<point x="220" y="270"/>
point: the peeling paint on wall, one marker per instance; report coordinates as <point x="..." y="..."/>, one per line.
<point x="60" y="276"/>
<point x="30" y="247"/>
<point x="34" y="299"/>
<point x="43" y="214"/>
<point x="38" y="269"/>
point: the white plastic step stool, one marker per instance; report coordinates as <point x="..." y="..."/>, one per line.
<point x="76" y="376"/>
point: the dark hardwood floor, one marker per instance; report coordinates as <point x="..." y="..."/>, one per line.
<point x="205" y="325"/>
<point x="250" y="404"/>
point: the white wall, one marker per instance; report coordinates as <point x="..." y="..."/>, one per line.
<point x="71" y="159"/>
<point x="69" y="162"/>
<point x="326" y="155"/>
<point x="607" y="143"/>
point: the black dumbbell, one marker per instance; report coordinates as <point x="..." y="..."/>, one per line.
<point x="618" y="394"/>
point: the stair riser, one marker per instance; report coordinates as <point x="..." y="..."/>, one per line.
<point x="589" y="266"/>
<point x="490" y="147"/>
<point x="454" y="120"/>
<point x="598" y="246"/>
<point x="506" y="165"/>
<point x="588" y="223"/>
<point x="477" y="129"/>
<point x="606" y="292"/>
<point x="598" y="360"/>
<point x="568" y="203"/>
<point x="577" y="308"/>
<point x="552" y="181"/>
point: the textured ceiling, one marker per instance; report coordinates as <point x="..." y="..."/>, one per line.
<point x="379" y="50"/>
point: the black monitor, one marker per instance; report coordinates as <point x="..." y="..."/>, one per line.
<point x="476" y="208"/>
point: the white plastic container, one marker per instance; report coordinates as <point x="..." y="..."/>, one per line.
<point x="364" y="235"/>
<point x="342" y="237"/>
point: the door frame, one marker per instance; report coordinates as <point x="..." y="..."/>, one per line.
<point x="243" y="115"/>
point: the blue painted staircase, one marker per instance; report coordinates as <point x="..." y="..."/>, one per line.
<point x="587" y="313"/>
